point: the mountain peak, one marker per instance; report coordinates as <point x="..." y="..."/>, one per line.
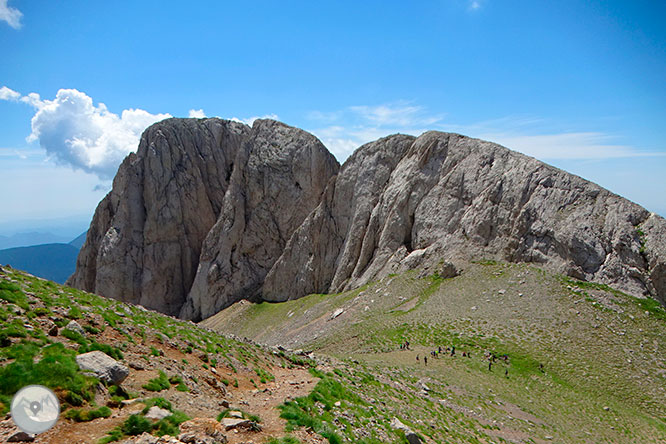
<point x="228" y="212"/>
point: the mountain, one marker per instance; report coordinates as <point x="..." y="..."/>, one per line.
<point x="79" y="240"/>
<point x="209" y="212"/>
<point x="30" y="238"/>
<point x="55" y="262"/>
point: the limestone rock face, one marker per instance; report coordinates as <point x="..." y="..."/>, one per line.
<point x="146" y="235"/>
<point x="208" y="212"/>
<point x="245" y="188"/>
<point x="400" y="203"/>
<point x="277" y="181"/>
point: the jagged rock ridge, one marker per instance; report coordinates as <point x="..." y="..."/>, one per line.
<point x="196" y="178"/>
<point x="209" y="212"/>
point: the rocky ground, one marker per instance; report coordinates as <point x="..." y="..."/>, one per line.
<point x="584" y="363"/>
<point x="209" y="374"/>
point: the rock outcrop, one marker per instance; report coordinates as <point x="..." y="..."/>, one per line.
<point x="103" y="366"/>
<point x="193" y="178"/>
<point x="208" y="212"/>
<point x="402" y="202"/>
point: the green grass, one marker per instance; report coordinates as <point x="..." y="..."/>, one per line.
<point x="159" y="402"/>
<point x="82" y="415"/>
<point x="158" y="384"/>
<point x="264" y="376"/>
<point x="304" y="411"/>
<point x="11" y="292"/>
<point x="57" y="369"/>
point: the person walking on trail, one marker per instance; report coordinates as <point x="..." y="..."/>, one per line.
<point x="490" y="366"/>
<point x="453" y="350"/>
<point x="425" y="360"/>
<point x="506" y="372"/>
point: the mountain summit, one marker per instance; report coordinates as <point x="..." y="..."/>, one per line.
<point x="209" y="212"/>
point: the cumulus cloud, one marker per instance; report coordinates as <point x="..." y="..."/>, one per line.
<point x="250" y="120"/>
<point x="9" y="94"/>
<point x="10" y="15"/>
<point x="197" y="113"/>
<point x="75" y="132"/>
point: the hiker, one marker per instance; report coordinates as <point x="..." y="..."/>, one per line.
<point x="506" y="373"/>
<point x="490" y="366"/>
<point x="453" y="350"/>
<point x="469" y="354"/>
<point x="440" y="349"/>
<point x="425" y="360"/>
<point x="417" y="358"/>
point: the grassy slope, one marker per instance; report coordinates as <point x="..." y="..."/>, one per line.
<point x="197" y="361"/>
<point x="603" y="352"/>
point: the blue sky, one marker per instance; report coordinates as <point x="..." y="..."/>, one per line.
<point x="578" y="84"/>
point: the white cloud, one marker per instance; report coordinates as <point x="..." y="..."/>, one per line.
<point x="475" y="5"/>
<point x="398" y="114"/>
<point x="75" y="132"/>
<point x="355" y="125"/>
<point x="581" y="145"/>
<point x="350" y="128"/>
<point x="10" y="15"/>
<point x="197" y="113"/>
<point x="9" y="94"/>
<point x="250" y="120"/>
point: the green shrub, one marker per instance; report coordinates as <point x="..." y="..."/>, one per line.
<point x="169" y="425"/>
<point x="159" y="402"/>
<point x="57" y="369"/>
<point x="74" y="336"/>
<point x="110" y="350"/>
<point x="74" y="313"/>
<point x="158" y="384"/>
<point x="81" y="415"/>
<point x="154" y="351"/>
<point x="136" y="425"/>
<point x="41" y="311"/>
<point x="90" y="329"/>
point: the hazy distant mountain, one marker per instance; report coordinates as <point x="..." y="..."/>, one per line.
<point x="31" y="238"/>
<point x="55" y="262"/>
<point x="80" y="239"/>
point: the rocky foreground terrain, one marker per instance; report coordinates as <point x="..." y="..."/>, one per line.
<point x="209" y="212"/>
<point x="515" y="354"/>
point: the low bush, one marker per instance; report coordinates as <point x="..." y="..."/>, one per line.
<point x="158" y="384"/>
<point x="81" y="415"/>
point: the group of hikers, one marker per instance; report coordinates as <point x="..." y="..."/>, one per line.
<point x="491" y="357"/>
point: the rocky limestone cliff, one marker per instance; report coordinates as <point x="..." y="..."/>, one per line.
<point x="209" y="212"/>
<point x="147" y="235"/>
<point x="401" y="203"/>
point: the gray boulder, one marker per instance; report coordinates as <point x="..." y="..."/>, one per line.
<point x="158" y="413"/>
<point x="76" y="327"/>
<point x="103" y="366"/>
